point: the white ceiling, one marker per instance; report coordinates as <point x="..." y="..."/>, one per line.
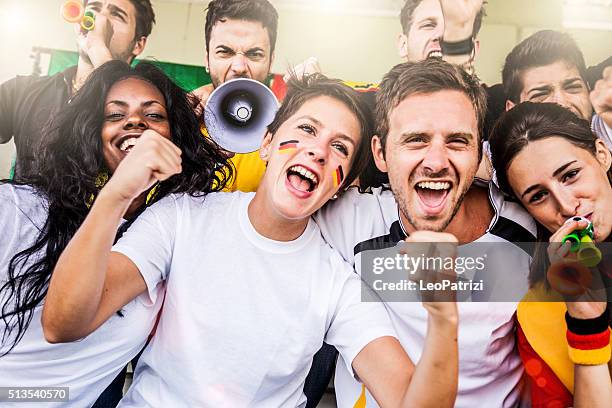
<point x="382" y="4"/>
<point x="372" y="6"/>
<point x="361" y="3"/>
<point x="392" y="7"/>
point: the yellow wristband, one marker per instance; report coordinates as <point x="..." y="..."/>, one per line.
<point x="590" y="357"/>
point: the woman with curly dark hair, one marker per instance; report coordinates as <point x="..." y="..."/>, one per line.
<point x="41" y="212"/>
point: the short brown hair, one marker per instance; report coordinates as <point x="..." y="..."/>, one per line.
<point x="261" y="11"/>
<point x="145" y="17"/>
<point x="426" y="77"/>
<point x="301" y="90"/>
<point x="542" y="48"/>
<point x="411" y="5"/>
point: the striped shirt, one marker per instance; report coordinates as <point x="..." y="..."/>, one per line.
<point x="489" y="365"/>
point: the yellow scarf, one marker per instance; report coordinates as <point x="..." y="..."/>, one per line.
<point x="544" y="326"/>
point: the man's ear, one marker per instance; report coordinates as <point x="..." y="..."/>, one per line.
<point x="266" y="145"/>
<point x="272" y="58"/>
<point x="139" y="46"/>
<point x="378" y="153"/>
<point x="509" y="104"/>
<point x="402" y="46"/>
<point x="603" y="155"/>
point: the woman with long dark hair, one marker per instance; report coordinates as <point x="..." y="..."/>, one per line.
<point x="40" y="214"/>
<point x="550" y="161"/>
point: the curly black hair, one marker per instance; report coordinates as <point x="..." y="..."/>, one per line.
<point x="69" y="160"/>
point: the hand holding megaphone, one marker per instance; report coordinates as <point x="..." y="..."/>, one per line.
<point x="202" y="94"/>
<point x="238" y="113"/>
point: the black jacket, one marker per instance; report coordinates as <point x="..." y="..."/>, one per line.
<point x="27" y="103"/>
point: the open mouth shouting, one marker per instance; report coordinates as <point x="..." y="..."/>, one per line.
<point x="433" y="196"/>
<point x="301" y="180"/>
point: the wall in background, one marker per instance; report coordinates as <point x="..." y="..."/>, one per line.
<point x="350" y="45"/>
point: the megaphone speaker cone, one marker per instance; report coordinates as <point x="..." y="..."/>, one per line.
<point x="243" y="113"/>
<point x="239" y="106"/>
<point x="238" y="113"/>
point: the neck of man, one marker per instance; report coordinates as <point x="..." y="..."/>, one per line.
<point x="84" y="68"/>
<point x="89" y="62"/>
<point x="471" y="220"/>
<point x="272" y="225"/>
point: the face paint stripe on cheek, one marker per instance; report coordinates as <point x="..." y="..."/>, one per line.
<point x="288" y="146"/>
<point x="338" y="176"/>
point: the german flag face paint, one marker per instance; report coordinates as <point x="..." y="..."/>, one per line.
<point x="338" y="176"/>
<point x="288" y="146"/>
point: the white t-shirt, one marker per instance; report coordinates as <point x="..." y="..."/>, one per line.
<point x="489" y="365"/>
<point x="244" y="314"/>
<point x="87" y="366"/>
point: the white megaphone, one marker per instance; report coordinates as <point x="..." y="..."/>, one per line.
<point x="238" y="113"/>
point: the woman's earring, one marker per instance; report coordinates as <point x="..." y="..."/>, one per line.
<point x="335" y="196"/>
<point x="101" y="179"/>
<point x="99" y="182"/>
